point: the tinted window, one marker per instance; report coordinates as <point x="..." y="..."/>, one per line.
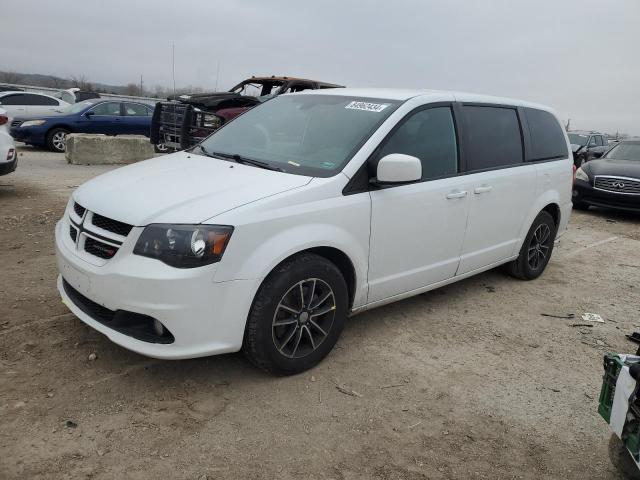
<point x="429" y="135"/>
<point x="493" y="137"/>
<point x="547" y="139"/>
<point x="109" y="108"/>
<point x="592" y="141"/>
<point x="599" y="141"/>
<point x="136" y="110"/>
<point x="13" y="100"/>
<point x="33" y="99"/>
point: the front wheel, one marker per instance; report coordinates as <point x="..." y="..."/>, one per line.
<point x="296" y="316"/>
<point x="536" y="249"/>
<point x="57" y="140"/>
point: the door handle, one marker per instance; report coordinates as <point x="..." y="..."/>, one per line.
<point x="456" y="194"/>
<point x="483" y="189"/>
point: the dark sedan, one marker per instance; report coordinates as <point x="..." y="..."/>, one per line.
<point x="110" y="117"/>
<point x="612" y="181"/>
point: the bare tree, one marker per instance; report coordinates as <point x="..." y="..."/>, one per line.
<point x="132" y="89"/>
<point x="10" y="77"/>
<point x="81" y="82"/>
<point x="55" y="82"/>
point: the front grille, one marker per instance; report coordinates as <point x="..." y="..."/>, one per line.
<point x="73" y="233"/>
<point x="79" y="209"/>
<point x="627" y="186"/>
<point x="16" y="123"/>
<point x="110" y="225"/>
<point x="136" y="325"/>
<point x="99" y="249"/>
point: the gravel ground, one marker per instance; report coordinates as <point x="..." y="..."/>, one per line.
<point x="468" y="381"/>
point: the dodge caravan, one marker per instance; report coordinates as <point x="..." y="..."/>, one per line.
<point x="309" y="208"/>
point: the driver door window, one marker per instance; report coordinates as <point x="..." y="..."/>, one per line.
<point x="429" y="135"/>
<point x="107" y="109"/>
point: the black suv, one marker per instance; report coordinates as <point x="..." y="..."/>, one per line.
<point x="587" y="146"/>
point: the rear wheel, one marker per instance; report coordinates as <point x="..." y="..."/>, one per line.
<point x="57" y="139"/>
<point x="536" y="249"/>
<point x="296" y="316"/>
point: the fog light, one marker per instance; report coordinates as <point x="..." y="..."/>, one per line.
<point x="158" y="327"/>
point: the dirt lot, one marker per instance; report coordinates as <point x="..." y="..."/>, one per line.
<point x="468" y="381"/>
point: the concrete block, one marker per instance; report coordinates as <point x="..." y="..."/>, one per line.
<point x="89" y="149"/>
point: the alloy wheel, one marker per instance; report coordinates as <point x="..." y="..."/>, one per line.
<point x="303" y="318"/>
<point x="59" y="141"/>
<point x="539" y="246"/>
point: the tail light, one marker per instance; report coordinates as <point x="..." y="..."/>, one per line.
<point x="3" y="119"/>
<point x="10" y="153"/>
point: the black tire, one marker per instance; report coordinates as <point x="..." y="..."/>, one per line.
<point x="53" y="139"/>
<point x="621" y="459"/>
<point x="265" y="333"/>
<point x="524" y="267"/>
<point x="578" y="205"/>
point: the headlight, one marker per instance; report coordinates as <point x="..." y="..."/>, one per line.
<point x="184" y="246"/>
<point x="582" y="175"/>
<point x="33" y="123"/>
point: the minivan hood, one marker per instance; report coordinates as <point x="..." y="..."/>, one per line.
<point x="180" y="188"/>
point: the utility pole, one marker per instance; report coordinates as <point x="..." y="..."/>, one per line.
<point x="141" y="85"/>
<point x="173" y="63"/>
<point x="217" y="75"/>
<point x="568" y="125"/>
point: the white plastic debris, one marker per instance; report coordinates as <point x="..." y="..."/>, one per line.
<point x="592" y="317"/>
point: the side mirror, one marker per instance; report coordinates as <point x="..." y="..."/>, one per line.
<point x="89" y="114"/>
<point x="398" y="168"/>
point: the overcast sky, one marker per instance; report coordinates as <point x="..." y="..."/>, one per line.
<point x="581" y="57"/>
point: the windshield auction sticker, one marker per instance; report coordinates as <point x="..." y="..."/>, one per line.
<point x="367" y="107"/>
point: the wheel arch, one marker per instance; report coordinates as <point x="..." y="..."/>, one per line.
<point x="548" y="202"/>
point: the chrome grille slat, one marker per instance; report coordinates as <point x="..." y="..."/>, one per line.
<point x="621" y="185"/>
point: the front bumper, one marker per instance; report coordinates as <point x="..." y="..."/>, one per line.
<point x="586" y="193"/>
<point x="30" y="135"/>
<point x="204" y="317"/>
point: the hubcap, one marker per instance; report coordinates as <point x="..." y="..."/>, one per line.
<point x="59" y="140"/>
<point x="538" y="251"/>
<point x="303" y="318"/>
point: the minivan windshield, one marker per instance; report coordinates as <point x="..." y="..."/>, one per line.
<point x="305" y="134"/>
<point x="578" y="139"/>
<point x="624" y="151"/>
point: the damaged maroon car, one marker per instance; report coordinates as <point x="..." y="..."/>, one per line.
<point x="185" y="120"/>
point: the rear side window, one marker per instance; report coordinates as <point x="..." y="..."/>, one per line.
<point x="430" y="136"/>
<point x="599" y="141"/>
<point x="13" y="100"/>
<point x="493" y="137"/>
<point x="136" y="110"/>
<point x="547" y="139"/>
<point x="32" y="99"/>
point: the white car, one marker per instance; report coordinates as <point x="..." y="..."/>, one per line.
<point x="29" y="104"/>
<point x="306" y="209"/>
<point x="8" y="153"/>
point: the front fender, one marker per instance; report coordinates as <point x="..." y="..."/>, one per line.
<point x="274" y="250"/>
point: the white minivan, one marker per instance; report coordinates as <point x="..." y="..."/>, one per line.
<point x="309" y="208"/>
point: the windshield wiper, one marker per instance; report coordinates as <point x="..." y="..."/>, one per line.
<point x="245" y="161"/>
